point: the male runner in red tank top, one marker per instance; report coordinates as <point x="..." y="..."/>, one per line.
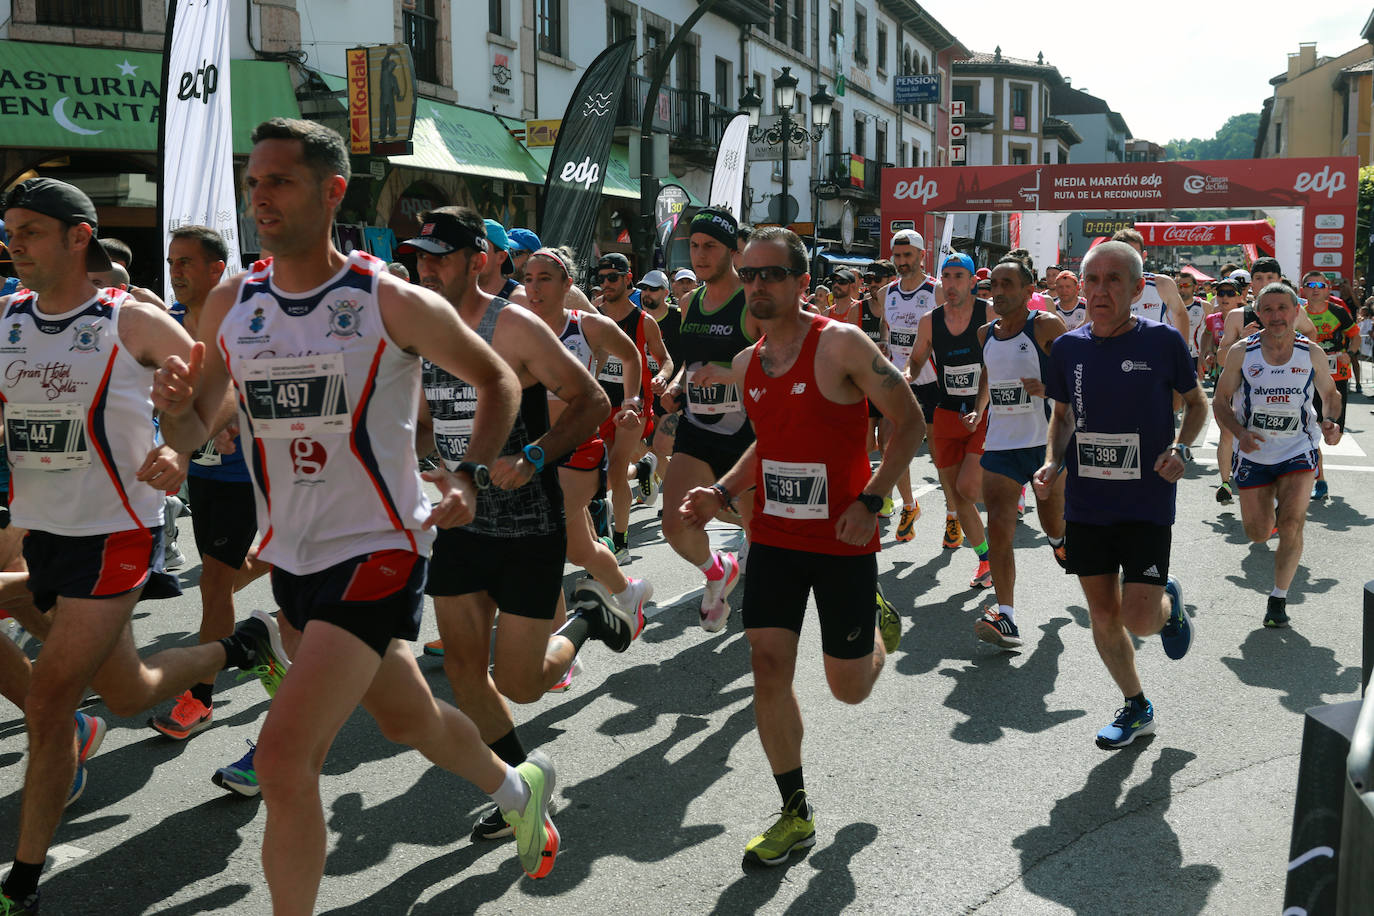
<point x="815" y="503"/>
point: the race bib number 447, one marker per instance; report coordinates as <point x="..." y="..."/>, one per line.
<point x="46" y="437"/>
<point x="288" y="398"/>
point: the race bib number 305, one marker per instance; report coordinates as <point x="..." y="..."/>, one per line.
<point x="795" y="489"/>
<point x="1108" y="456"/>
<point x="451" y="440"/>
<point x="288" y="398"/>
<point x="46" y="437"/>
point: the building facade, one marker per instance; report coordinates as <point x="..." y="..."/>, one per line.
<point x="1309" y="112"/>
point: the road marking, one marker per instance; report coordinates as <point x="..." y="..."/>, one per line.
<point x="58" y="856"/>
<point x="1368" y="469"/>
<point x="1346" y="448"/>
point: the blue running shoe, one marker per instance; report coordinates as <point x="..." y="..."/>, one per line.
<point x="1134" y="720"/>
<point x="1177" y="635"/>
<point x="78" y="785"/>
<point x="1320" y="490"/>
<point x="239" y="776"/>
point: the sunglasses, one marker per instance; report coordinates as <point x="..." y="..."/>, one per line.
<point x="1317" y="284"/>
<point x="608" y="278"/>
<point x="771" y="274"/>
<point x="1227" y="292"/>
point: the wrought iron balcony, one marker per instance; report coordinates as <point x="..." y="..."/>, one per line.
<point x="855" y="176"/>
<point x="689" y="116"/>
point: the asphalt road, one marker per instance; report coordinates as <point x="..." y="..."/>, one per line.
<point x="968" y="783"/>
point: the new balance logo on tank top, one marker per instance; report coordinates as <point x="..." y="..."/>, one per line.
<point x="1149" y="304"/>
<point x="328" y="402"/>
<point x="904" y="312"/>
<point x="78" y="419"/>
<point x="1276" y="402"/>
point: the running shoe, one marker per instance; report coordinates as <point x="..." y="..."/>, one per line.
<point x="435" y="648"/>
<point x="565" y="683"/>
<point x="186" y="718"/>
<point x="240" y="776"/>
<point x="1320" y="490"/>
<point x="645" y="481"/>
<point x="1061" y="556"/>
<point x="889" y="622"/>
<point x="609" y="543"/>
<point x="622" y="554"/>
<point x="78" y="786"/>
<point x="631" y="602"/>
<point x="889" y="508"/>
<point x="608" y="622"/>
<point x="982" y="578"/>
<point x="954" y="535"/>
<point x="998" y="629"/>
<point x="1021" y="503"/>
<point x="536" y="838"/>
<point x="1134" y="720"/>
<point x="270" y="663"/>
<point x="26" y="907"/>
<point x="1225" y="493"/>
<point x="1177" y="635"/>
<point x="1276" y="614"/>
<point x="492" y="826"/>
<point x="601" y="517"/>
<point x="90" y="732"/>
<point x="906" y="524"/>
<point x="715" y="608"/>
<point x="172" y="558"/>
<point x="790" y="833"/>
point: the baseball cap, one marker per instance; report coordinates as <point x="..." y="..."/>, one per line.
<point x="654" y="279"/>
<point x="843" y="275"/>
<point x="63" y="202"/>
<point x="614" y="261"/>
<point x="908" y="237"/>
<point x="1241" y="276"/>
<point x="1234" y="282"/>
<point x="959" y="259"/>
<point x="983" y="273"/>
<point x="523" y="240"/>
<point x="685" y="273"/>
<point x="441" y="234"/>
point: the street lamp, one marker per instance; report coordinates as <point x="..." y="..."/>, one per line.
<point x="787" y="131"/>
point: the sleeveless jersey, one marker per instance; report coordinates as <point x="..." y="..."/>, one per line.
<point x="207" y="461"/>
<point x="612" y="374"/>
<point x="958" y="359"/>
<point x="1276" y="402"/>
<point x="668" y="327"/>
<point x="577" y="345"/>
<point x="1074" y="317"/>
<point x="811" y="460"/>
<point x="1334" y="327"/>
<point x="327" y="400"/>
<point x="1016" y="419"/>
<point x="714" y="337"/>
<point x="872" y="325"/>
<point x="510" y="286"/>
<point x="1197" y="310"/>
<point x="904" y="311"/>
<point x="1150" y="304"/>
<point x="533" y="509"/>
<point x="78" y="419"/>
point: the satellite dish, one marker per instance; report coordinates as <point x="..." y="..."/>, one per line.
<point x="783" y="202"/>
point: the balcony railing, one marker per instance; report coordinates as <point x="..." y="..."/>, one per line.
<point x="686" y="114"/>
<point x="855" y="173"/>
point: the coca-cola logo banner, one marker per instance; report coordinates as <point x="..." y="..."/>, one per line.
<point x="1224" y="232"/>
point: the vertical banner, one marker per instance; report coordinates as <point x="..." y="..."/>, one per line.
<point x="577" y="168"/>
<point x="672" y="200"/>
<point x="195" y="141"/>
<point x="946" y="245"/>
<point x="727" y="179"/>
<point x="359" y="107"/>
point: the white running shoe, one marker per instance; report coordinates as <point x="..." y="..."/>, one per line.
<point x="715" y="609"/>
<point x="631" y="602"/>
<point x="646" y="485"/>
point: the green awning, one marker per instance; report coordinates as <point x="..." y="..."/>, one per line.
<point x="450" y="138"/>
<point x="65" y="97"/>
<point x="619" y="182"/>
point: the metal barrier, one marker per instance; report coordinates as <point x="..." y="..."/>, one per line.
<point x="1355" y="885"/>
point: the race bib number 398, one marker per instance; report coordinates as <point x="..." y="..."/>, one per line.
<point x="288" y="398"/>
<point x="1108" y="456"/>
<point x="795" y="489"/>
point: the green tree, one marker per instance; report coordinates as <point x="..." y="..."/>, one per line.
<point x="1362" y="215"/>
<point x="1233" y="140"/>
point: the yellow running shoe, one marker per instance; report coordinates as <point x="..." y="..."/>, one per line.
<point x="791" y="833"/>
<point x="954" y="535"/>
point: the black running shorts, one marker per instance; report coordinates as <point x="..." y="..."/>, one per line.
<point x="780" y="581"/>
<point x="376" y="597"/>
<point x="223" y="517"/>
<point x="523" y="575"/>
<point x="1139" y="549"/>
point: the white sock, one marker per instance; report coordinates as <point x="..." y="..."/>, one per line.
<point x="1008" y="610"/>
<point x="513" y="794"/>
<point x="1279" y="592"/>
<point x="951" y="515"/>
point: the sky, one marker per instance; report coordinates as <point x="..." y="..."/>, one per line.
<point x="1179" y="69"/>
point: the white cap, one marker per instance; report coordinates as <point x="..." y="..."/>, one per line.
<point x="1241" y="275"/>
<point x="654" y="279"/>
<point x="908" y="237"/>
<point x="685" y="273"/>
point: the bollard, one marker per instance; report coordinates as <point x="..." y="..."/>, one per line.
<point x="1355" y="891"/>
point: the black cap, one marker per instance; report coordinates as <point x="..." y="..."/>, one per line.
<point x="442" y="234"/>
<point x="63" y="202"/>
<point x="718" y="223"/>
<point x="613" y="261"/>
<point x="844" y="275"/>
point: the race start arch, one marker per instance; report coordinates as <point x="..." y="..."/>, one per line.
<point x="1326" y="190"/>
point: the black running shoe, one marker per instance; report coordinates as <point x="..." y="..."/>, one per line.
<point x="1276" y="614"/>
<point x="596" y="604"/>
<point x="492" y="827"/>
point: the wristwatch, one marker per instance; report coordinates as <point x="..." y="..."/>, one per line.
<point x="1184" y="451"/>
<point x="534" y="454"/>
<point x="870" y="501"/>
<point x="481" y="477"/>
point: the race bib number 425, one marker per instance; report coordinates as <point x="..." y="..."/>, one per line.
<point x="288" y="398"/>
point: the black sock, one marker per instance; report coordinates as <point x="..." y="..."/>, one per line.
<point x="622" y="540"/>
<point x="204" y="692"/>
<point x="237" y="652"/>
<point x="22" y="880"/>
<point x="508" y="748"/>
<point x="1137" y="700"/>
<point x="789" y="784"/>
<point x="576" y="630"/>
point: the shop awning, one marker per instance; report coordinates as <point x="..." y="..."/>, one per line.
<point x="619" y="181"/>
<point x="66" y="97"/>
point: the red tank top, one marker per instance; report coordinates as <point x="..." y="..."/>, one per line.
<point x="811" y="459"/>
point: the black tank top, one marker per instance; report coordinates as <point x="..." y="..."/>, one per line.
<point x="958" y="359"/>
<point x="872" y="324"/>
<point x="714" y="338"/>
<point x="611" y="374"/>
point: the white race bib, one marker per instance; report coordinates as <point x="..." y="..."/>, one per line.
<point x="451" y="440"/>
<point x="612" y="370"/>
<point x="962" y="381"/>
<point x="1009" y="397"/>
<point x="207" y="455"/>
<point x="795" y="489"/>
<point x="46" y="437"/>
<point x="712" y="400"/>
<point x="292" y="398"/>
<point x="1275" y="418"/>
<point x="1108" y="456"/>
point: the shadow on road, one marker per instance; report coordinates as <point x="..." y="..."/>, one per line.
<point x="1069" y="861"/>
<point x="830" y="890"/>
<point x="1258" y="573"/>
<point x="1287" y="661"/>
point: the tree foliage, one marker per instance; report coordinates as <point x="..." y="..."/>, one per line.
<point x="1234" y="140"/>
<point x="1362" y="214"/>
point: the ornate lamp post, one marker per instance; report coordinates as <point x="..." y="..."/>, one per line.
<point x="786" y="131"/>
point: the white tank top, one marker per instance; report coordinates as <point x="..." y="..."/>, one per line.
<point x="78" y="419"/>
<point x="328" y="401"/>
<point x="1150" y="304"/>
<point x="1196" y="311"/>
<point x="1075" y="316"/>
<point x="577" y="345"/>
<point x="904" y="311"/>
<point x="1276" y="402"/>
<point x="1016" y="419"/>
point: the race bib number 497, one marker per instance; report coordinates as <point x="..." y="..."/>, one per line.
<point x="288" y="398"/>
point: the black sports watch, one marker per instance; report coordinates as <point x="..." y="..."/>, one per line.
<point x="534" y="454"/>
<point x="481" y="477"/>
<point x="870" y="501"/>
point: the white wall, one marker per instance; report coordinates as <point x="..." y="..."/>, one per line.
<point x="331" y="27"/>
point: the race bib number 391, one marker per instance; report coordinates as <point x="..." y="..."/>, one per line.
<point x="288" y="398"/>
<point x="795" y="489"/>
